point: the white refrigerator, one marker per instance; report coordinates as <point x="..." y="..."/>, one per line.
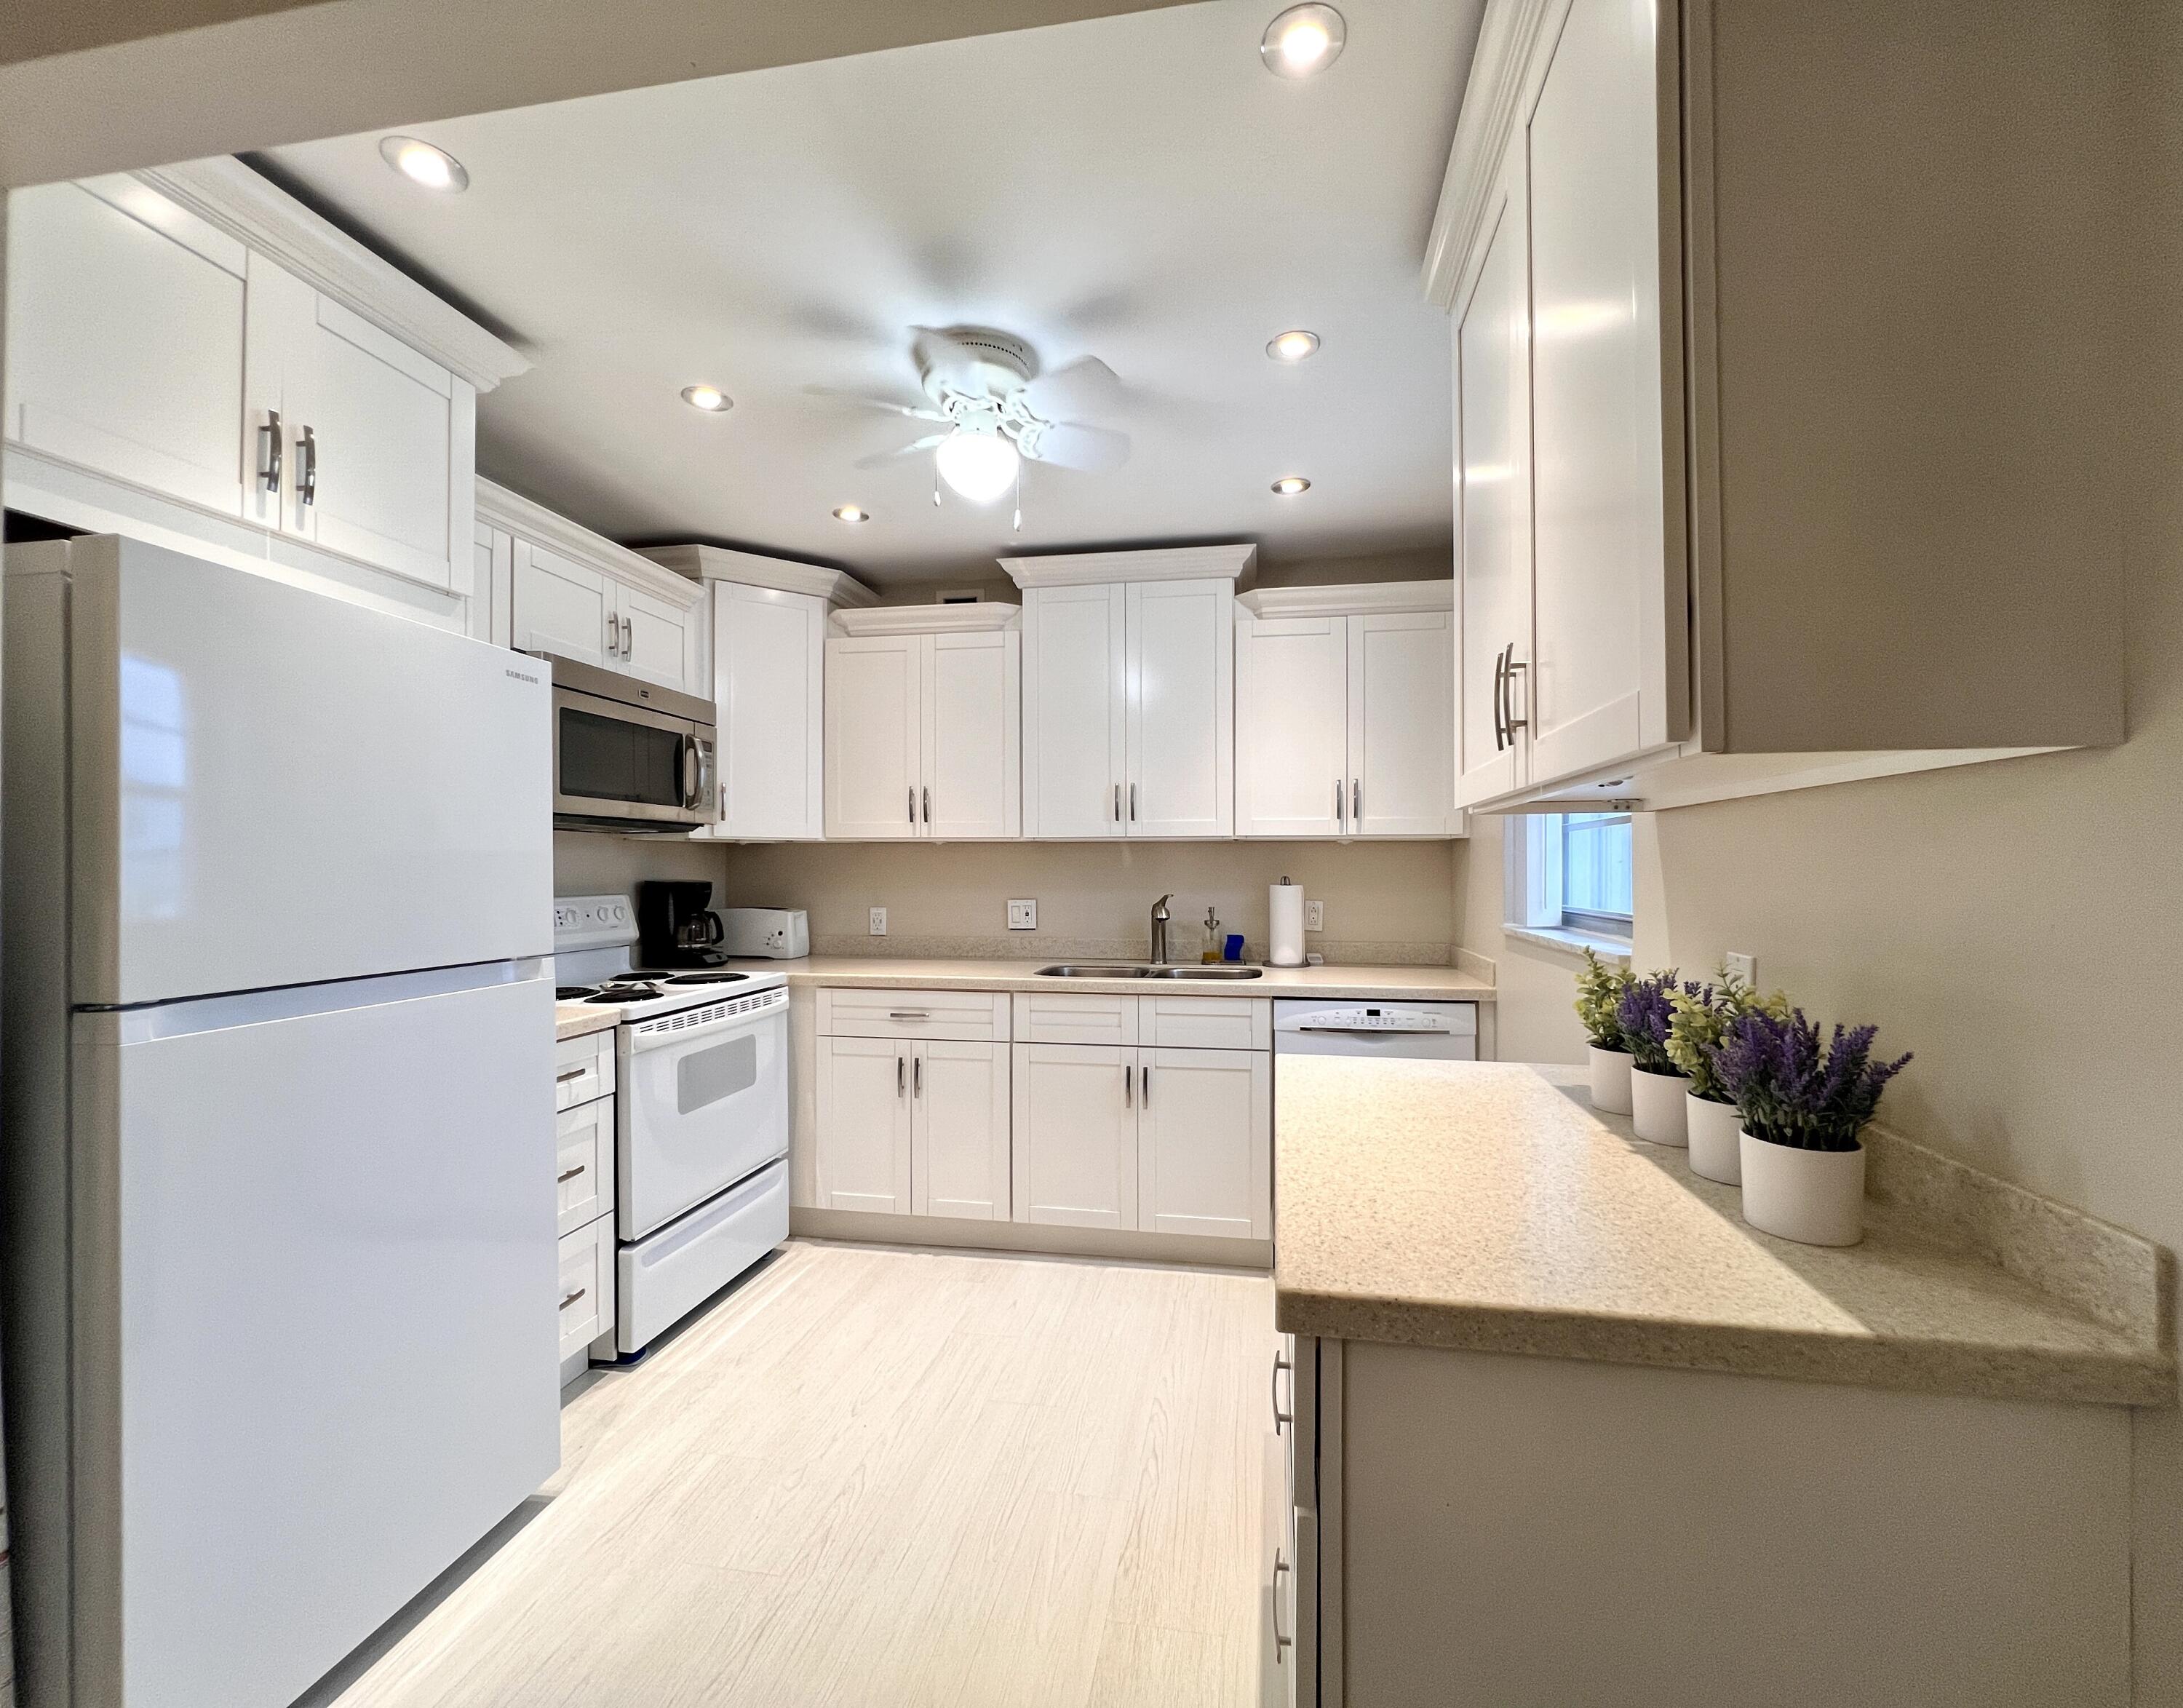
<point x="276" y="1081"/>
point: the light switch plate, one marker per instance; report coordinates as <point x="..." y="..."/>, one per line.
<point x="1022" y="915"/>
<point x="879" y="921"/>
<point x="1314" y="915"/>
<point x="1742" y="966"/>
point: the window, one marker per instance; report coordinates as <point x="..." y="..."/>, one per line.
<point x="1571" y="872"/>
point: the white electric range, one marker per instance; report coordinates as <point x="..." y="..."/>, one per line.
<point x="701" y="1115"/>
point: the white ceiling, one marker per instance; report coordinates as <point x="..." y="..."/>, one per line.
<point x="1135" y="189"/>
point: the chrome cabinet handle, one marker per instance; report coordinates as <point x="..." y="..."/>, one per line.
<point x="909" y="1013"/>
<point x="1282" y="1419"/>
<point x="614" y="636"/>
<point x="628" y="637"/>
<point x="1133" y="802"/>
<point x="1357" y="803"/>
<point x="569" y="1174"/>
<point x="574" y="1297"/>
<point x="569" y="1073"/>
<point x="1126" y="1103"/>
<point x="1118" y="803"/>
<point x="928" y="805"/>
<point x="1515" y="723"/>
<point x="306" y="489"/>
<point x="911" y="792"/>
<point x="723" y="803"/>
<point x="917" y="1076"/>
<point x="1500" y="699"/>
<point x="1144" y="1085"/>
<point x="1281" y="1639"/>
<point x="269" y="451"/>
<point x="1340" y="817"/>
<point x="898" y="1075"/>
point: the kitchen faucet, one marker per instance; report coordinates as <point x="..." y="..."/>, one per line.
<point x="1159" y="929"/>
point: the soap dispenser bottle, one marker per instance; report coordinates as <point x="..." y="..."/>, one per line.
<point x="1212" y="938"/>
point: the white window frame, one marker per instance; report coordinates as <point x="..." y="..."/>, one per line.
<point x="1531" y="869"/>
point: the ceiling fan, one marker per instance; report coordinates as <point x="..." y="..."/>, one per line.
<point x="998" y="411"/>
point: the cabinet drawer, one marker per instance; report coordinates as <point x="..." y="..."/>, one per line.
<point x="583" y="1165"/>
<point x="588" y="1285"/>
<point x="583" y="1068"/>
<point x="1205" y="1022"/>
<point x="1075" y="1017"/>
<point x="971" y="1016"/>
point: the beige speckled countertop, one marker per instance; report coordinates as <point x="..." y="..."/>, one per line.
<point x="1486" y="1206"/>
<point x="576" y="1019"/>
<point x="888" y="972"/>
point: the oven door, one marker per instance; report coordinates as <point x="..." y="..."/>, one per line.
<point x="700" y="1103"/>
<point x="631" y="766"/>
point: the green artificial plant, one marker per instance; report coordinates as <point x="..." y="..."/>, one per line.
<point x="1599" y="989"/>
<point x="1701" y="1020"/>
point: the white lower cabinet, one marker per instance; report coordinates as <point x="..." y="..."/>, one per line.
<point x="1203" y="1160"/>
<point x="583" y="1163"/>
<point x="584" y="1191"/>
<point x="913" y="1127"/>
<point x="864" y="1124"/>
<point x="587" y="1288"/>
<point x="1076" y="1138"/>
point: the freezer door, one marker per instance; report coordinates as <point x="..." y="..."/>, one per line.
<point x="316" y="1351"/>
<point x="277" y="786"/>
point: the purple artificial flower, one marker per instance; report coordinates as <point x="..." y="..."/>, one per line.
<point x="1792" y="1091"/>
<point x="1643" y="1015"/>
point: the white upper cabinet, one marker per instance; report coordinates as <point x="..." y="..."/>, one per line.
<point x="1128" y="692"/>
<point x="1713" y="545"/>
<point x="1345" y="721"/>
<point x="923" y="727"/>
<point x="577" y="595"/>
<point x="124" y="339"/>
<point x="197" y="359"/>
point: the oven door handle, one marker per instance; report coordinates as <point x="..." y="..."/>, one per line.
<point x="639" y="1040"/>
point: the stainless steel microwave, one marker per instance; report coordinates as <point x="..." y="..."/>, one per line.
<point x="629" y="756"/>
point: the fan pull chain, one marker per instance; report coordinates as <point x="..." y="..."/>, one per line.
<point x="1018" y="528"/>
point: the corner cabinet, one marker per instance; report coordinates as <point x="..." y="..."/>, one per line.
<point x="768" y="667"/>
<point x="575" y="594"/>
<point x="924" y="716"/>
<point x="1344" y="702"/>
<point x="1128" y="692"/>
<point x="1709" y="541"/>
<point x="195" y="359"/>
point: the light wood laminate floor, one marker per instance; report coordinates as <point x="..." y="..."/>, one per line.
<point x="880" y="1477"/>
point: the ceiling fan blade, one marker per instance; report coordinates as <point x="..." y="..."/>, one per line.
<point x="879" y="458"/>
<point x="916" y="412"/>
<point x="1084" y="387"/>
<point x="1066" y="445"/>
<point x="953" y="365"/>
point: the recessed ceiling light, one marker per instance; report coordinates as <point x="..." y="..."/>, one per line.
<point x="1290" y="485"/>
<point x="850" y="513"/>
<point x="419" y="161"/>
<point x="710" y="398"/>
<point x="1293" y="347"/>
<point x="1302" y="39"/>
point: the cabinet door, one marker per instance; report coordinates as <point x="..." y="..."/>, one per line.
<point x="769" y="670"/>
<point x="973" y="735"/>
<point x="124" y="339"/>
<point x="959" y="1129"/>
<point x="659" y="637"/>
<point x="863" y="1121"/>
<point x="1493" y="497"/>
<point x="1205" y="1142"/>
<point x="1291" y="712"/>
<point x="584" y="1166"/>
<point x="565" y="608"/>
<point x="492" y="586"/>
<point x="1074" y="1135"/>
<point x="1598" y="493"/>
<point x="1074" y="700"/>
<point x="1181" y="732"/>
<point x="1402" y="724"/>
<point x="873" y="733"/>
<point x="372" y="428"/>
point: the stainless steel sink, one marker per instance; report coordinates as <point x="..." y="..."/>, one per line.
<point x="1222" y="971"/>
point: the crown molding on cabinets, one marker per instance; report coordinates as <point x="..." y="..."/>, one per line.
<point x="513" y="514"/>
<point x="1508" y="43"/>
<point x="985" y="617"/>
<point x="1238" y="564"/>
<point x="1355" y="600"/>
<point x="228" y="195"/>
<point x="754" y="570"/>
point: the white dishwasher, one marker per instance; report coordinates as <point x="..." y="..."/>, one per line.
<point x="1435" y="1031"/>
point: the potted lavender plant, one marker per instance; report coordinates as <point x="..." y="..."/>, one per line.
<point x="1803" y="1105"/>
<point x="1599" y="990"/>
<point x="1657" y="1085"/>
<point x="1701" y="1022"/>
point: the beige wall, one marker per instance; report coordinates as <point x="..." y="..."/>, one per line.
<point x="590" y="863"/>
<point x="2011" y="923"/>
<point x="1382" y="900"/>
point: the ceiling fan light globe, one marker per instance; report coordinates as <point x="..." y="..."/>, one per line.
<point x="976" y="466"/>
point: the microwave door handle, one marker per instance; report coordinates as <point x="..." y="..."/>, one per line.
<point x="692" y="784"/>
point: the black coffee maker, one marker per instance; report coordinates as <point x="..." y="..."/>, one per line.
<point x="675" y="927"/>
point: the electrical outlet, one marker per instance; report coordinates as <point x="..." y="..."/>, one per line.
<point x="1314" y="915"/>
<point x="879" y="921"/>
<point x="1742" y="966"/>
<point x="1022" y="915"/>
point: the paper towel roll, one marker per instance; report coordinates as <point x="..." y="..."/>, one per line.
<point x="1285" y="924"/>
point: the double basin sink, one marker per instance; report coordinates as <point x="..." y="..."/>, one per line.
<point x="1214" y="970"/>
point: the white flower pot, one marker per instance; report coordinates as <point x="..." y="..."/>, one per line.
<point x="1610" y="1080"/>
<point x="1814" y="1197"/>
<point x="1716" y="1131"/>
<point x="1655" y="1104"/>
